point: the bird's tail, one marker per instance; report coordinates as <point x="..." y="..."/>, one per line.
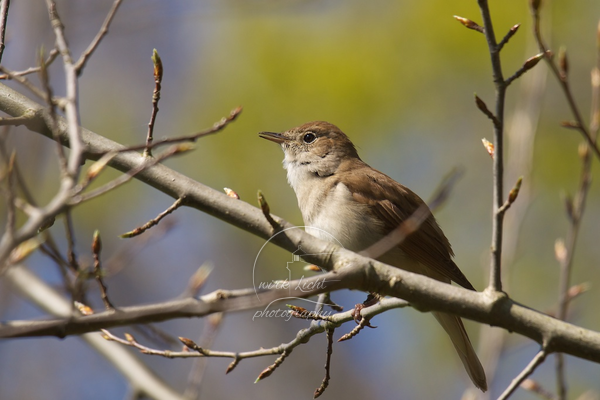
<point x="456" y="330"/>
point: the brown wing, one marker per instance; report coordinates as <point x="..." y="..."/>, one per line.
<point x="394" y="203"/>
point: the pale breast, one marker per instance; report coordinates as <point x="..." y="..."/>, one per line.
<point x="336" y="214"/>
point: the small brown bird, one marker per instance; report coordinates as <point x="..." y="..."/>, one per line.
<point x="340" y="194"/>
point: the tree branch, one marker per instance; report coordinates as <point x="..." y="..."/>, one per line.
<point x="135" y="371"/>
<point x="498" y="194"/>
<point x="352" y="271"/>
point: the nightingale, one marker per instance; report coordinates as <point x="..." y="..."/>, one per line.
<point x="340" y="194"/>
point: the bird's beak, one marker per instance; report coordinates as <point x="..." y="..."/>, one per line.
<point x="273" y="137"/>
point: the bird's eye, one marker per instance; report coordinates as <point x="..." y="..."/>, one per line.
<point x="309" y="137"/>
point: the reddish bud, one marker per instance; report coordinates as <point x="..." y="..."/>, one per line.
<point x="530" y="384"/>
<point x="96" y="243"/>
<point x="188" y="342"/>
<point x="312" y="267"/>
<point x="469" y="24"/>
<point x="514" y="192"/>
<point x="83" y="309"/>
<point x="563" y="63"/>
<point x="265" y="374"/>
<point x="158" y="67"/>
<point x="532" y="61"/>
<point x="262" y="201"/>
<point x="489" y="146"/>
<point x="231" y="366"/>
<point x="560" y="251"/>
<point x="577" y="290"/>
<point x="583" y="150"/>
<point x="231" y="193"/>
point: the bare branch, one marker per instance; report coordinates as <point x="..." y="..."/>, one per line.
<point x="196" y="375"/>
<point x="158" y="75"/>
<point x="512" y="196"/>
<point x="325" y="383"/>
<point x="70" y="233"/>
<point x="533" y="364"/>
<point x="217" y="127"/>
<point x="264" y="206"/>
<point x="147" y="163"/>
<point x="23" y="81"/>
<point x="498" y="161"/>
<point x="560" y="74"/>
<point x="96" y="249"/>
<point x="51" y="57"/>
<point x="4" y="6"/>
<point x="359" y="273"/>
<point x="139" y="230"/>
<point x="485" y="110"/>
<point x="527" y="65"/>
<point x="576" y="208"/>
<point x="135" y="371"/>
<point x="508" y="36"/>
<point x="70" y="106"/>
<point x="80" y="64"/>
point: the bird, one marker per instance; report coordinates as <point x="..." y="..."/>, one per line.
<point x="343" y="198"/>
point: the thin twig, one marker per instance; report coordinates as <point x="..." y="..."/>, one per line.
<point x="508" y="36"/>
<point x="94" y="170"/>
<point x="303" y="313"/>
<point x="512" y="196"/>
<point x="527" y="371"/>
<point x="16" y="121"/>
<point x="54" y="303"/>
<point x="141" y="229"/>
<point x="96" y="249"/>
<point x="325" y="383"/>
<point x="51" y="57"/>
<point x="565" y="251"/>
<point x="271" y="368"/>
<point x="266" y="210"/>
<point x="521" y="132"/>
<point x="145" y="164"/>
<point x="486" y="111"/>
<point x="217" y="126"/>
<point x="11" y="214"/>
<point x="498" y="161"/>
<point x="23" y="81"/>
<point x="71" y="99"/>
<point x="364" y="322"/>
<point x="196" y="375"/>
<point x="70" y="233"/>
<point x="197" y="280"/>
<point x="4" y="6"/>
<point x="80" y="64"/>
<point x="563" y="81"/>
<point x="158" y="75"/>
<point x="302" y="337"/>
<point x="527" y="65"/>
<point x="534" y="387"/>
<point x="49" y="247"/>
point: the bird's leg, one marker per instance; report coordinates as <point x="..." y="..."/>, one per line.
<point x="372" y="299"/>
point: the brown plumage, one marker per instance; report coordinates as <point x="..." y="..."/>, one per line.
<point x="340" y="194"/>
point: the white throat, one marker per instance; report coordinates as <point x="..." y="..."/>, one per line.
<point x="327" y="205"/>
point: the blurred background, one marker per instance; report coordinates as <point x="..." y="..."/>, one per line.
<point x="398" y="77"/>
